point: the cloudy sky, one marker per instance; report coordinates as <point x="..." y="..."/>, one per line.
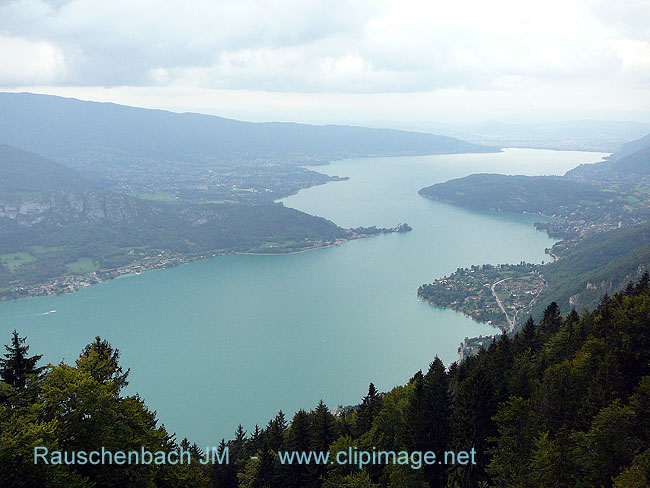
<point x="338" y="60"/>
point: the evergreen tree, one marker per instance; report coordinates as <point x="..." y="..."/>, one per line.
<point x="299" y="440"/>
<point x="223" y="475"/>
<point x="416" y="423"/>
<point x="368" y="410"/>
<point x="527" y="337"/>
<point x="275" y="432"/>
<point x="437" y="418"/>
<point x="551" y="321"/>
<point x="514" y="446"/>
<point x="643" y="284"/>
<point x="474" y="408"/>
<point x="102" y="361"/>
<point x="323" y="433"/>
<point x="17" y="366"/>
<point x="257" y="439"/>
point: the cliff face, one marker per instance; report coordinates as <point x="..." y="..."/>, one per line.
<point x="60" y="208"/>
<point x="65" y="207"/>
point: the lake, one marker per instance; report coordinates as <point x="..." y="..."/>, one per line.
<point x="236" y="338"/>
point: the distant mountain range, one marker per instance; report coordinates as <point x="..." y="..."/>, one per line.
<point x="67" y="130"/>
<point x="574" y="135"/>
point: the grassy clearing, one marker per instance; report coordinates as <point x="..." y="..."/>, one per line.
<point x="82" y="265"/>
<point x="15" y="260"/>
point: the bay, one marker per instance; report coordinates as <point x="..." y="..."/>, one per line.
<point x="236" y="338"/>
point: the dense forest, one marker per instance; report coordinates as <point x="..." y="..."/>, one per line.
<point x="564" y="402"/>
<point x="533" y="194"/>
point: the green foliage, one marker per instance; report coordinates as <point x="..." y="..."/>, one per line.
<point x="637" y="475"/>
<point x="81" y="408"/>
<point x="17" y="368"/>
<point x="602" y="263"/>
<point x="533" y="194"/>
<point x="514" y="445"/>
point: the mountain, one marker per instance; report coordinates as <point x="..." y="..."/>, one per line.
<point x="627" y="162"/>
<point x="70" y="130"/>
<point x="575" y="135"/>
<point x="51" y="217"/>
<point x="23" y="171"/>
<point x="637" y="163"/>
<point x="45" y="235"/>
<point x="631" y="147"/>
<point x="532" y="194"/>
<point x="601" y="263"/>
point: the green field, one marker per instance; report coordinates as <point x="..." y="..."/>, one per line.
<point x="15" y="260"/>
<point x="82" y="265"/>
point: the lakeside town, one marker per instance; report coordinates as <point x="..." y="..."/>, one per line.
<point x="498" y="295"/>
<point x="148" y="260"/>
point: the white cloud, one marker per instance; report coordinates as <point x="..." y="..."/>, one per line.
<point x="25" y="61"/>
<point x="345" y="46"/>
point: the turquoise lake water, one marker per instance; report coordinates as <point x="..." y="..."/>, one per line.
<point x="234" y="339"/>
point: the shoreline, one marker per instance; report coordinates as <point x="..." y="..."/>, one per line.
<point x="67" y="284"/>
<point x="73" y="283"/>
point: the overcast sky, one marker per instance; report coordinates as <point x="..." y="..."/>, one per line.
<point x="338" y="61"/>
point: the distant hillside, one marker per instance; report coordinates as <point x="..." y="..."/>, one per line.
<point x="47" y="237"/>
<point x="635" y="163"/>
<point x="632" y="147"/>
<point x="71" y="130"/>
<point x="602" y="263"/>
<point x="101" y="219"/>
<point x="22" y="171"/>
<point x="630" y="160"/>
<point x="532" y="194"/>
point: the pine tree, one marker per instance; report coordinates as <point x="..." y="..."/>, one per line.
<point x="551" y="321"/>
<point x="323" y="428"/>
<point x="323" y="433"/>
<point x="643" y="283"/>
<point x="514" y="447"/>
<point x="17" y="366"/>
<point x="103" y="363"/>
<point x="223" y="475"/>
<point x="257" y="439"/>
<point x="527" y="338"/>
<point x="368" y="410"/>
<point x="275" y="432"/>
<point x="415" y="415"/>
<point x="239" y="443"/>
<point x="437" y="415"/>
<point x="472" y="425"/>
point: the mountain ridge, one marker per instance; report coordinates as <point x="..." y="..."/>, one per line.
<point x="68" y="129"/>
